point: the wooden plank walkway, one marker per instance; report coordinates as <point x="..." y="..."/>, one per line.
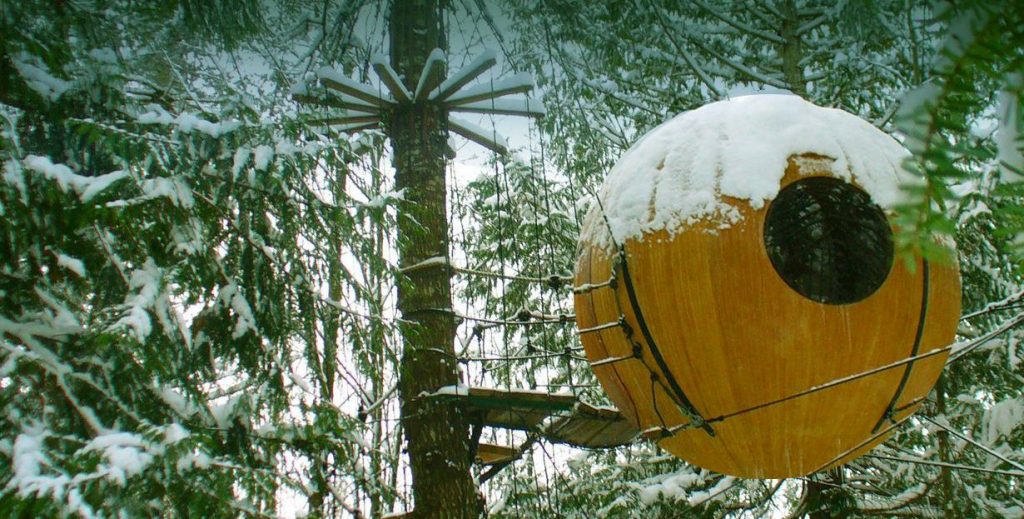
<point x="556" y="417"/>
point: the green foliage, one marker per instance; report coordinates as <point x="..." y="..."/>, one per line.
<point x="164" y="240"/>
<point x="943" y="78"/>
<point x="939" y="119"/>
<point x="195" y="278"/>
<point x="637" y="481"/>
<point x="519" y="224"/>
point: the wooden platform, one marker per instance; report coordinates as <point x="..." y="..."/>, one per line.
<point x="592" y="427"/>
<point x="488" y="454"/>
<point x="558" y="417"/>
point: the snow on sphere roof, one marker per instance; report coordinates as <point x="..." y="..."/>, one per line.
<point x="678" y="173"/>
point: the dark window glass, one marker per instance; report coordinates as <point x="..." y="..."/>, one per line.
<point x="828" y="240"/>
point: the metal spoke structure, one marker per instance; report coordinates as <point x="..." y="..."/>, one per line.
<point x="364" y="107"/>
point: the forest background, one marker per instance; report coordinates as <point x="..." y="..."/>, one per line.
<point x="199" y="303"/>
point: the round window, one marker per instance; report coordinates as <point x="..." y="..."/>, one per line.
<point x="828" y="241"/>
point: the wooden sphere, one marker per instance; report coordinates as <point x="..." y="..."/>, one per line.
<point x="735" y="332"/>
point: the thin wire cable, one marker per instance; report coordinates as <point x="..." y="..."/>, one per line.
<point x="977" y="444"/>
<point x="967" y="348"/>
<point x="1011" y="301"/>
<point x="826" y="385"/>
<point x="943" y="464"/>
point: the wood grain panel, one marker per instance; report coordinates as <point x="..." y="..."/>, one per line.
<point x="735" y="335"/>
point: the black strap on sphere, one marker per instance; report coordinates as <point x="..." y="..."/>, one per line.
<point x="682" y="401"/>
<point x="890" y="409"/>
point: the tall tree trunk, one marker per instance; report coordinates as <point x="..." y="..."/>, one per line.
<point x="820" y="499"/>
<point x="811" y="502"/>
<point x="437" y="434"/>
<point x="791" y="49"/>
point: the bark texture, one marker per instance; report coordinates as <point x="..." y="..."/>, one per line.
<point x="791" y="49"/>
<point x="437" y="435"/>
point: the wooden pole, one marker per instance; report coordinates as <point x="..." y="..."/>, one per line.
<point x="437" y="433"/>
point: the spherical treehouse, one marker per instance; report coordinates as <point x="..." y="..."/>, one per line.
<point x="737" y="292"/>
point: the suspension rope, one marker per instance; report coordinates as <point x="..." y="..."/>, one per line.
<point x="962" y="349"/>
<point x="864" y="443"/>
<point x="554" y="281"/>
<point x="1011" y="301"/>
<point x="828" y="385"/>
<point x="977" y="444"/>
<point x="663" y="376"/>
<point x="682" y="400"/>
<point x="945" y="465"/>
<point x="535" y="356"/>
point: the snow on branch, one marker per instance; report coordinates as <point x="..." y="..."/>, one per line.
<point x="811" y="25"/>
<point x="898" y="501"/>
<point x="86" y="187"/>
<point x="629" y="101"/>
<point x="38" y="77"/>
<point x="354" y="127"/>
<point x="688" y="62"/>
<point x="344" y="102"/>
<point x="187" y="122"/>
<point x="774" y="38"/>
<point x="435" y="261"/>
<point x="739" y="67"/>
<point x="349" y="119"/>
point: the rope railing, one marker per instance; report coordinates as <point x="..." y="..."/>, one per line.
<point x="515" y="358"/>
<point x="520" y="319"/>
<point x="976" y="443"/>
<point x="554" y="281"/>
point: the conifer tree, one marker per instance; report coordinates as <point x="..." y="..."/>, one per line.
<point x="206" y="305"/>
